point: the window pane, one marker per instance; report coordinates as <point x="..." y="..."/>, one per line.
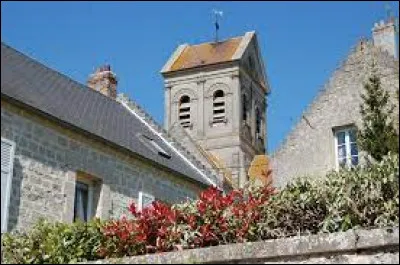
<point x="342" y="161"/>
<point x="342" y="151"/>
<point x="353" y="136"/>
<point x="354" y="149"/>
<point x="354" y="160"/>
<point x="81" y="201"/>
<point x="146" y="201"/>
<point x="341" y="137"/>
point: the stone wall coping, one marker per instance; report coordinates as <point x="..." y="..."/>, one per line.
<point x="342" y="242"/>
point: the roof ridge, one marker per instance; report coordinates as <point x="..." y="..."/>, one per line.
<point x="213" y="42"/>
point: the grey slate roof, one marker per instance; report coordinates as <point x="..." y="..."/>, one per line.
<point x="30" y="82"/>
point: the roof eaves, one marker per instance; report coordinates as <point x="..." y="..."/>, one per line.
<point x="178" y="52"/>
<point x="243" y="45"/>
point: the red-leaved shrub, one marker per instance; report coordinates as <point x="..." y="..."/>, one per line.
<point x="213" y="219"/>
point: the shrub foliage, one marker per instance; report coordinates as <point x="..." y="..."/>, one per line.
<point x="350" y="198"/>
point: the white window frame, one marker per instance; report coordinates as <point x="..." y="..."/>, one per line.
<point x="346" y="130"/>
<point x="140" y="199"/>
<point x="4" y="222"/>
<point x="90" y="185"/>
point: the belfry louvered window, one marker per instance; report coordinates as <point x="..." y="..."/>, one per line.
<point x="258" y="123"/>
<point x="219" y="106"/>
<point x="184" y="111"/>
<point x="7" y="164"/>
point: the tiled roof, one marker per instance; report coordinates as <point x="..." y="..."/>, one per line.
<point x="206" y="53"/>
<point x="33" y="84"/>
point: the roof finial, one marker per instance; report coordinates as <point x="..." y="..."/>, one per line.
<point x="217" y="13"/>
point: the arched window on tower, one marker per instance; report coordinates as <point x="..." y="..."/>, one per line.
<point x="258" y="123"/>
<point x="184" y="111"/>
<point x="219" y="106"/>
<point x="244" y="108"/>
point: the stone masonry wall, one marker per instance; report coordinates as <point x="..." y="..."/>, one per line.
<point x="353" y="246"/>
<point x="46" y="163"/>
<point x="309" y="148"/>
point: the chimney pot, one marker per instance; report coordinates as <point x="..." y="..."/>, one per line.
<point x="384" y="36"/>
<point x="104" y="81"/>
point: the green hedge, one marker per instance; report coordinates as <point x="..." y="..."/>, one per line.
<point x="348" y="199"/>
<point x="343" y="200"/>
<point x="58" y="243"/>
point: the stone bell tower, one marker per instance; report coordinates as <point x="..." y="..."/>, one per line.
<point x="217" y="92"/>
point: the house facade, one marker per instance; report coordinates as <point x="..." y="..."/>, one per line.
<point x="70" y="151"/>
<point x="324" y="138"/>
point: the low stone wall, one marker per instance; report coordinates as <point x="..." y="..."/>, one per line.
<point x="353" y="246"/>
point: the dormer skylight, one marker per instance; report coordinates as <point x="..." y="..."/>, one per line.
<point x="153" y="146"/>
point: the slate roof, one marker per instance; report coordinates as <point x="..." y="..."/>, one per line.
<point x="206" y="53"/>
<point x="32" y="83"/>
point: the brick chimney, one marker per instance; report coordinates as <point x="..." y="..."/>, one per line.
<point x="104" y="81"/>
<point x="384" y="36"/>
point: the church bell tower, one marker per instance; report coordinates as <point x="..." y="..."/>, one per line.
<point x="217" y="92"/>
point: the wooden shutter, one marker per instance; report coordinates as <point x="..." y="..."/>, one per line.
<point x="7" y="163"/>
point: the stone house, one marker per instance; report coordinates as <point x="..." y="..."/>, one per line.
<point x="72" y="151"/>
<point x="325" y="137"/>
<point x="217" y="92"/>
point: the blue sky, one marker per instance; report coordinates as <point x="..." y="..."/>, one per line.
<point x="301" y="43"/>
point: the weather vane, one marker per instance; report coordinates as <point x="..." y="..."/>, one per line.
<point x="217" y="14"/>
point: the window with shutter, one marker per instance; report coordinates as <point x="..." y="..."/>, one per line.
<point x="7" y="162"/>
<point x="219" y="107"/>
<point x="184" y="111"/>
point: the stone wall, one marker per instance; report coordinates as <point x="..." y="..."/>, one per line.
<point x="48" y="158"/>
<point x="353" y="246"/>
<point x="309" y="149"/>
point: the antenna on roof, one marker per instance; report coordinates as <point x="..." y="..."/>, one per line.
<point x="217" y="14"/>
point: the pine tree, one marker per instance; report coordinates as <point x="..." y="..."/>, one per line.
<point x="396" y="116"/>
<point x="378" y="136"/>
